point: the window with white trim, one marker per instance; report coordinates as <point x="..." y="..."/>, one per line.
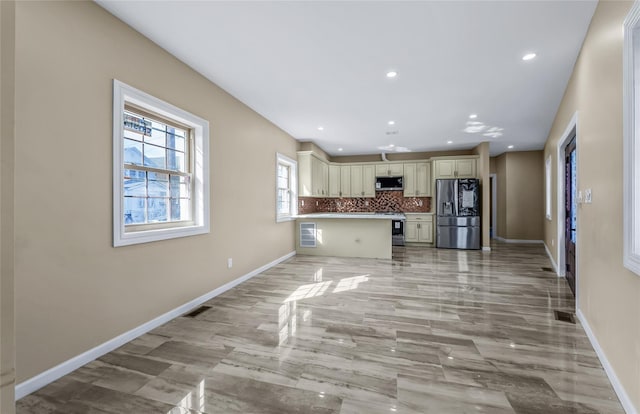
<point x="286" y="188"/>
<point x="631" y="153"/>
<point x="161" y="188"/>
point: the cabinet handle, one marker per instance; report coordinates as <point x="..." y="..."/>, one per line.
<point x="418" y="225"/>
<point x="362" y="193"/>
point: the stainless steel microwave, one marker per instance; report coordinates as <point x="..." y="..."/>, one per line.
<point x="389" y="183"/>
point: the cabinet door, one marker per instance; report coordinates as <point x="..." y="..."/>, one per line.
<point x="423" y="179"/>
<point x="425" y="232"/>
<point x="334" y="181"/>
<point x="410" y="231"/>
<point x="410" y="180"/>
<point x="382" y="170"/>
<point x="324" y="180"/>
<point x="445" y="169"/>
<point x="396" y="170"/>
<point x="345" y="181"/>
<point x="305" y="185"/>
<point x="466" y="168"/>
<point x="356" y="181"/>
<point x="368" y="181"/>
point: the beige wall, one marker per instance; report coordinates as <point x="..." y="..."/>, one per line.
<point x="501" y="196"/>
<point x="483" y="173"/>
<point x="525" y="195"/>
<point x="608" y="294"/>
<point x="520" y="195"/>
<point x="73" y="289"/>
<point x="7" y="113"/>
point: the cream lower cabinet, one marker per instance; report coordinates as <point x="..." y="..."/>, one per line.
<point x="417" y="179"/>
<point x="455" y="168"/>
<point x="418" y="228"/>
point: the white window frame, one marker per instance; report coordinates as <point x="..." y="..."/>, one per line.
<point x="293" y="187"/>
<point x="125" y="94"/>
<point x="547" y="182"/>
<point x="631" y="154"/>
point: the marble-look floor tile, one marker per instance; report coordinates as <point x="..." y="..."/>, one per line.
<point x="429" y="331"/>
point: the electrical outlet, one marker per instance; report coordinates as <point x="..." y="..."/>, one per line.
<point x="302" y="203"/>
<point x="230" y="263"/>
<point x="366" y="203"/>
<point x="587" y="196"/>
<point x="316" y="204"/>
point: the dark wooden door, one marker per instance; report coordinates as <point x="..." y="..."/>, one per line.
<point x="570" y="215"/>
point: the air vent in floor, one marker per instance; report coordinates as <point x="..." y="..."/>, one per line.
<point x="196" y="311"/>
<point x="564" y="316"/>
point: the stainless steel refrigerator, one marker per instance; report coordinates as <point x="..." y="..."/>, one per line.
<point x="458" y="213"/>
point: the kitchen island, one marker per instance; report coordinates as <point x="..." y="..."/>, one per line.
<point x="345" y="234"/>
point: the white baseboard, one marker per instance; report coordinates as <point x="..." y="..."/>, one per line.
<point x="35" y="383"/>
<point x="553" y="263"/>
<point x="518" y="241"/>
<point x="617" y="386"/>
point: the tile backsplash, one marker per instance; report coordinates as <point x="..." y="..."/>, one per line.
<point x="383" y="201"/>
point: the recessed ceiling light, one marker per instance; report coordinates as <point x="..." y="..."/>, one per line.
<point x="449" y="142"/>
<point x="392" y="74"/>
<point x="473" y="116"/>
<point x="391" y="145"/>
<point x="339" y="149"/>
<point x="391" y="122"/>
<point x="320" y="128"/>
<point x="528" y="56"/>
<point x="510" y="146"/>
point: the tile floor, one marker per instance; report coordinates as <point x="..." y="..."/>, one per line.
<point x="431" y="331"/>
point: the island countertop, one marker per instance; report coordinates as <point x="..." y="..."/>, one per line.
<point x="370" y="216"/>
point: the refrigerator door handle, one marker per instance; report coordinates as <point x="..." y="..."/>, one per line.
<point x="455" y="198"/>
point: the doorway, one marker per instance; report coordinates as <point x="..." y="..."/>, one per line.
<point x="570" y="212"/>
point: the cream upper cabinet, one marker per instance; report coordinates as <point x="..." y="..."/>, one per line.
<point x="369" y="181"/>
<point x="409" y="180"/>
<point x="313" y="176"/>
<point x="363" y="181"/>
<point x="345" y="181"/>
<point x="334" y="181"/>
<point x="389" y="170"/>
<point x="356" y="181"/>
<point x="417" y="179"/>
<point x="455" y="168"/>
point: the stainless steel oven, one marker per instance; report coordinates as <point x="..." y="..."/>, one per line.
<point x="397" y="232"/>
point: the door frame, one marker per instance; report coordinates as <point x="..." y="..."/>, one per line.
<point x="493" y="178"/>
<point x="571" y="131"/>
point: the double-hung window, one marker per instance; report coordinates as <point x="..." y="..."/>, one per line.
<point x="286" y="188"/>
<point x="160" y="169"/>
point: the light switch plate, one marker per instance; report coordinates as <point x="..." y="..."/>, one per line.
<point x="587" y="196"/>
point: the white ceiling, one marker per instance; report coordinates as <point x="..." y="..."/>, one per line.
<point x="305" y="64"/>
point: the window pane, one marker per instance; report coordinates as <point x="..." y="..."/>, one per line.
<point x="135" y="183"/>
<point x="158" y="137"/>
<point x="176" y="131"/>
<point x="175" y="142"/>
<point x="133" y="210"/>
<point x="157" y="209"/>
<point x="179" y="187"/>
<point x="132" y="135"/>
<point x="175" y="161"/>
<point x="180" y="209"/>
<point x="154" y="156"/>
<point x="158" y="185"/>
<point x="137" y="123"/>
<point x="283" y="201"/>
<point x="132" y="152"/>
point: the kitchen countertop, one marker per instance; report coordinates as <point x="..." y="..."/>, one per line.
<point x="374" y="216"/>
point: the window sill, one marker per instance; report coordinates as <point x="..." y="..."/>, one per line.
<point x="285" y="218"/>
<point x="147" y="236"/>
